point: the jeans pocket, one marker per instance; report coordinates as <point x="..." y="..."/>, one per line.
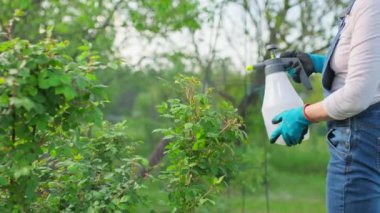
<point x="338" y="139"/>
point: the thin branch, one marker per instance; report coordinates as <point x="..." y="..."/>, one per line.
<point x="197" y="53"/>
<point x="237" y="52"/>
<point x="257" y="23"/>
<point x="110" y="17"/>
<point x="214" y="43"/>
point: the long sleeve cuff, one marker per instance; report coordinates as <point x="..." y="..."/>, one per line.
<point x="318" y="62"/>
<point x="331" y="108"/>
<point x="347" y="102"/>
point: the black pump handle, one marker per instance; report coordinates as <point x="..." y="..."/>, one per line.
<point x="303" y="76"/>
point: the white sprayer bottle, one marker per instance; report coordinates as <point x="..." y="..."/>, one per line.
<point x="279" y="92"/>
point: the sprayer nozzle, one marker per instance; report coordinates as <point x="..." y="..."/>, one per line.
<point x="250" y="68"/>
<point x="272" y="49"/>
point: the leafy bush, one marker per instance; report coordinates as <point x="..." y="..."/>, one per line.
<point x="42" y="93"/>
<point x="58" y="155"/>
<point x="55" y="151"/>
<point x="201" y="154"/>
<point x="98" y="174"/>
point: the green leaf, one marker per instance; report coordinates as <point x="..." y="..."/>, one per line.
<point x="42" y="59"/>
<point x="24" y="171"/>
<point x="125" y="198"/>
<point x="2" y="80"/>
<point x="26" y="103"/>
<point x="81" y="82"/>
<point x="53" y="153"/>
<point x="13" y="71"/>
<point x="204" y="200"/>
<point x="4" y="100"/>
<point x="122" y="207"/>
<point x="19" y="13"/>
<point x="84" y="48"/>
<point x="160" y="131"/>
<point x="168" y="137"/>
<point x="42" y="122"/>
<point x="67" y="91"/>
<point x="82" y="56"/>
<point x="142" y="160"/>
<point x="217" y="181"/>
<point x="65" y="79"/>
<point x="55" y="79"/>
<point x="109" y="176"/>
<point x="73" y="168"/>
<point x="98" y="195"/>
<point x="49" y="31"/>
<point x="47" y="79"/>
<point x="32" y="91"/>
<point x="188" y="125"/>
<point x="31" y="186"/>
<point x="3" y="181"/>
<point x="196" y="146"/>
<point x="91" y="77"/>
<point x="162" y="108"/>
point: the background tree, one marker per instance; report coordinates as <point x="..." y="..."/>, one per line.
<point x="144" y="44"/>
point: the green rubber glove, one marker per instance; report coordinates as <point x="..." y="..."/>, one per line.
<point x="318" y="62"/>
<point x="312" y="63"/>
<point x="293" y="126"/>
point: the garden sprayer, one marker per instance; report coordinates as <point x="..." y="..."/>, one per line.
<point x="279" y="93"/>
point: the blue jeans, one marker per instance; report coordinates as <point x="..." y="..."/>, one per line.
<point x="353" y="172"/>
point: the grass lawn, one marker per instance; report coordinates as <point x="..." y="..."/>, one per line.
<point x="288" y="192"/>
<point x="296" y="185"/>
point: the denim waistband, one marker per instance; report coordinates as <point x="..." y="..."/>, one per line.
<point x="363" y="115"/>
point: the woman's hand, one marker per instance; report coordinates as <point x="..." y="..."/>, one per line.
<point x="312" y="63"/>
<point x="293" y="126"/>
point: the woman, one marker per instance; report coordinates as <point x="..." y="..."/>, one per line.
<point x="351" y="79"/>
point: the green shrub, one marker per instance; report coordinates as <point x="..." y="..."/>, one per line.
<point x="202" y="154"/>
<point x="98" y="174"/>
<point x="55" y="151"/>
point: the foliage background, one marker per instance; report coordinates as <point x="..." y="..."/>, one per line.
<point x="145" y="44"/>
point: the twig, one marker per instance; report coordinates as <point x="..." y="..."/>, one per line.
<point x="14" y="116"/>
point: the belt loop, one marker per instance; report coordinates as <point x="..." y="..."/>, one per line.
<point x="353" y="123"/>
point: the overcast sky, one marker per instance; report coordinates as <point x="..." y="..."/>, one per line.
<point x="132" y="47"/>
